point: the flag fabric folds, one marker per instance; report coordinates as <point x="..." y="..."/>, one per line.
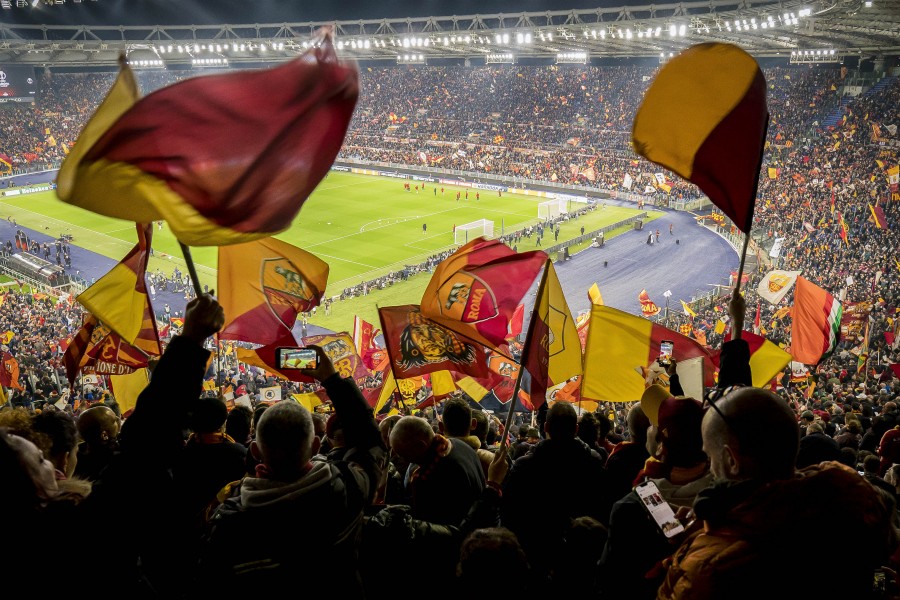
<point x="594" y="294"/>
<point x="776" y="285"/>
<point x="554" y="350"/>
<point x="648" y="306"/>
<point x="120" y="301"/>
<point x="816" y="323"/>
<point x="417" y="345"/>
<point x="476" y="290"/>
<point x="98" y="349"/>
<point x="127" y="388"/>
<point x="688" y="311"/>
<point x="363" y="335"/>
<point x="705" y="117"/>
<point x="767" y="360"/>
<point x="264" y="285"/>
<point x="618" y="344"/>
<point x="223" y="158"/>
<point x="878" y="217"/>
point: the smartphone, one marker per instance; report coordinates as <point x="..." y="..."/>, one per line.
<point x="296" y="358"/>
<point x="666" y="347"/>
<point x="659" y="509"/>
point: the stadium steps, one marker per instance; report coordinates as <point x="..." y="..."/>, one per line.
<point x="834" y="117"/>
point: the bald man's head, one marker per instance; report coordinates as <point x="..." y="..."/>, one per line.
<point x="411" y="438"/>
<point x="758" y="437"/>
<point x="98" y="425"/>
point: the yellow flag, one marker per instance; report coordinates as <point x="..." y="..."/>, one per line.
<point x="309" y="401"/>
<point x="594" y="295"/>
<point x="720" y="326"/>
<point x="442" y="383"/>
<point x="687" y="309"/>
<point x="127" y="388"/>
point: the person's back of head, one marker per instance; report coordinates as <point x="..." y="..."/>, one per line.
<point x="638" y="423"/>
<point x="589" y="429"/>
<point x="411" y="438"/>
<point x="57" y="435"/>
<point x="98" y="426"/>
<point x="752" y="435"/>
<point x="562" y="422"/>
<point x="457" y="418"/>
<point x="871" y="465"/>
<point x="676" y="427"/>
<point x="849" y="457"/>
<point x="285" y="441"/>
<point x="485" y="553"/>
<point x="237" y="424"/>
<point x="482" y="426"/>
<point x="385" y="427"/>
<point x="207" y="415"/>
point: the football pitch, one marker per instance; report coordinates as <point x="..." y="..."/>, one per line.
<point x="362" y="226"/>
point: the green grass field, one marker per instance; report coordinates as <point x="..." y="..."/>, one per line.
<point x="362" y="226"/>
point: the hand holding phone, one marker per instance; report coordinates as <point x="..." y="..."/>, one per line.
<point x="296" y="358"/>
<point x="666" y="348"/>
<point x="659" y="509"/>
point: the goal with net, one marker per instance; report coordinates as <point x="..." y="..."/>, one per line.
<point x="470" y="231"/>
<point x="551" y="209"/>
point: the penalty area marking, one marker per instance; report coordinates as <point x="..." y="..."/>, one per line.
<point x="386" y="223"/>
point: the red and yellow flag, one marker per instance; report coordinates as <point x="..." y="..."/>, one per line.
<point x="476" y="290"/>
<point x="554" y="350"/>
<point x="766" y="359"/>
<point x="225" y="158"/>
<point x="264" y="285"/>
<point x="878" y="217"/>
<point x="340" y="349"/>
<point x="620" y="346"/>
<point x="417" y="345"/>
<point x="648" y="306"/>
<point x="98" y="349"/>
<point x="843" y="229"/>
<point x="705" y="117"/>
<point x="120" y="301"/>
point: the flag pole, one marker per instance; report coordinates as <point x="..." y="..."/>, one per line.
<point x="192" y="270"/>
<point x="525" y="349"/>
<point x="762" y="150"/>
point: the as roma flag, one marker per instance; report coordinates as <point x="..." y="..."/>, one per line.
<point x="417" y="345"/>
<point x="649" y="308"/>
<point x="225" y="158"/>
<point x="705" y="117"/>
<point x="9" y="372"/>
<point x="476" y="290"/>
<point x="264" y="285"/>
<point x="339" y="347"/>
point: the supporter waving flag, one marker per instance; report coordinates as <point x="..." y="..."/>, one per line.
<point x="705" y="117"/>
<point x="223" y="158"/>
<point x="476" y="290"/>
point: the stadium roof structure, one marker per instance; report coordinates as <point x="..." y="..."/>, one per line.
<point x="832" y="28"/>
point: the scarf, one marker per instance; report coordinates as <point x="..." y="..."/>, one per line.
<point x="210" y="438"/>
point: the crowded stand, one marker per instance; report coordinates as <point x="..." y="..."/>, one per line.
<point x="219" y="485"/>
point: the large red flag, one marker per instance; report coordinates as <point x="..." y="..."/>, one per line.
<point x="223" y="158"/>
<point x="417" y="345"/>
<point x="705" y="117"/>
<point x="476" y="290"/>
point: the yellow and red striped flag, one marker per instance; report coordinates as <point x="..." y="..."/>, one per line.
<point x="845" y="236"/>
<point x="705" y="117"/>
<point x="554" y="354"/>
<point x="120" y="301"/>
<point x="619" y="345"/>
<point x="225" y="158"/>
<point x="878" y="217"/>
<point x="263" y="286"/>
<point x="649" y="308"/>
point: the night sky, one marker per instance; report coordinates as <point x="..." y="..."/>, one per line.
<point x="187" y="12"/>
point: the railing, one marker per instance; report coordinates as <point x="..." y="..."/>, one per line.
<point x="559" y="249"/>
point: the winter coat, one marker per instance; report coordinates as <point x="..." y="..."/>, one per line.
<point x="756" y="533"/>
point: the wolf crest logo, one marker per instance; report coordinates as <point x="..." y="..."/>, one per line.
<point x="465" y="297"/>
<point x="285" y="289"/>
<point x="777" y="282"/>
